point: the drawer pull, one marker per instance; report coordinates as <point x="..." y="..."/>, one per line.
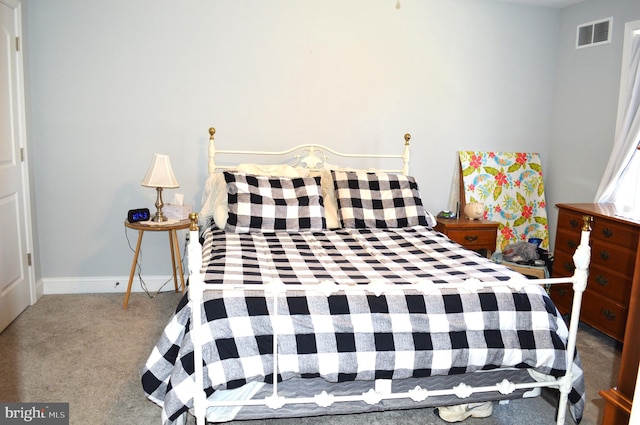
<point x="605" y="255"/>
<point x="601" y="280"/>
<point x="574" y="223"/>
<point x="470" y="238"/>
<point x="608" y="314"/>
<point x="568" y="266"/>
<point x="562" y="292"/>
<point x="572" y="244"/>
<point x="607" y="232"/>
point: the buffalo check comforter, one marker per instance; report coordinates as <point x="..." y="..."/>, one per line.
<point x="355" y="335"/>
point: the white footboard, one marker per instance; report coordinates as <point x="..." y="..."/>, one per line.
<point x="197" y="287"/>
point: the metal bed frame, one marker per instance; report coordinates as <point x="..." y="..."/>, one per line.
<point x="313" y="156"/>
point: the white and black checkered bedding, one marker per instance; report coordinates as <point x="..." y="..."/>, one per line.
<point x="377" y="200"/>
<point x="271" y="204"/>
<point x="355" y="336"/>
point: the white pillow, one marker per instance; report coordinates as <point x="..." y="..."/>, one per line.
<point x="329" y="198"/>
<point x="214" y="200"/>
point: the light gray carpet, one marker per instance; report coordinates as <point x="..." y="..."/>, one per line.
<point x="86" y="350"/>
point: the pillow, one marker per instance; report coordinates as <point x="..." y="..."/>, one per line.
<point x="329" y="194"/>
<point x="270" y="204"/>
<point x="377" y="199"/>
<point x="214" y="200"/>
<point x="214" y="196"/>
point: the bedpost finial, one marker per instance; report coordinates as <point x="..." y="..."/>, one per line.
<point x="407" y="137"/>
<point x="194" y="221"/>
<point x="212" y="131"/>
<point x="586" y="226"/>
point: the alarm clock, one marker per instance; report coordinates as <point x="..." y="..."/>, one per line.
<point x="140" y="214"/>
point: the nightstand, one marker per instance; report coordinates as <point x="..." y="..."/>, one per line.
<point x="475" y="235"/>
<point x="171" y="228"/>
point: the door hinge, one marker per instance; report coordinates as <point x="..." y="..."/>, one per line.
<point x="21" y="154"/>
<point x="17" y="44"/>
<point x="29" y="263"/>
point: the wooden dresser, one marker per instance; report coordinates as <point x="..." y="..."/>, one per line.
<point x="611" y="302"/>
<point x="614" y="244"/>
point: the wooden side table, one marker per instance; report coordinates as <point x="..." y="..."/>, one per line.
<point x="472" y="234"/>
<point x="172" y="228"/>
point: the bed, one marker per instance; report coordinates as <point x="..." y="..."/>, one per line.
<point x="316" y="289"/>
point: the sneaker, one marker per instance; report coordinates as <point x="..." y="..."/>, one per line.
<point x="461" y="412"/>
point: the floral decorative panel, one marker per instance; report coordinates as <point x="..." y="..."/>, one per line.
<point x="511" y="187"/>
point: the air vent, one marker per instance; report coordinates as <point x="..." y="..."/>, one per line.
<point x="594" y="33"/>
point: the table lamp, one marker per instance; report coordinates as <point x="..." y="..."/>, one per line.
<point x="160" y="175"/>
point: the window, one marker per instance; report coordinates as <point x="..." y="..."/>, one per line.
<point x="628" y="192"/>
<point x="620" y="183"/>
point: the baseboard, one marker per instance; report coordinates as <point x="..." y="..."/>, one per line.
<point x="104" y="284"/>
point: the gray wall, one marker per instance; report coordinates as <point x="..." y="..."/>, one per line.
<point x="586" y="103"/>
<point x="111" y="83"/>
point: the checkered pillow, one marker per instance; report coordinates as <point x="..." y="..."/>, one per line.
<point x="269" y="204"/>
<point x="379" y="200"/>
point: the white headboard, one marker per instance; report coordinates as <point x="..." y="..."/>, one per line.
<point x="310" y="156"/>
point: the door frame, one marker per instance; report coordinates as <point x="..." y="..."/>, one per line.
<point x="35" y="294"/>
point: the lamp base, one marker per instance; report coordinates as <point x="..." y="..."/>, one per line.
<point x="159" y="217"/>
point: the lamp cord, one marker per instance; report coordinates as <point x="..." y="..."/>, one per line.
<point x="143" y="284"/>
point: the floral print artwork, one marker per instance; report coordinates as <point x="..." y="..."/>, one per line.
<point x="511" y="187"/>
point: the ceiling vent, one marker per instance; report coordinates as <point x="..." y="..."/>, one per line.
<point x="594" y="33"/>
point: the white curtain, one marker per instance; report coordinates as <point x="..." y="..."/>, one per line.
<point x="619" y="183"/>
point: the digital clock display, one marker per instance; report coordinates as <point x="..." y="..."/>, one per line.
<point x="141" y="214"/>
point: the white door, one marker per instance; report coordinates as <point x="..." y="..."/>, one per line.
<point x="16" y="277"/>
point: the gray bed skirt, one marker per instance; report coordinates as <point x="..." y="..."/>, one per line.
<point x="311" y="387"/>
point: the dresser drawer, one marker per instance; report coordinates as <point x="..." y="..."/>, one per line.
<point x="608" y="281"/>
<point x="610" y="231"/>
<point x="614" y="257"/>
<point x="603" y="253"/>
<point x="570" y="221"/>
<point x="563" y="264"/>
<point x="615" y="233"/>
<point x="566" y="242"/>
<point x="604" y="315"/>
<point x="597" y="311"/>
<point x="474" y="239"/>
<point x="610" y="284"/>
<point x="472" y="234"/>
<point x="562" y="296"/>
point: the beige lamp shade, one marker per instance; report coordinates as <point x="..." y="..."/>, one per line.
<point x="160" y="173"/>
